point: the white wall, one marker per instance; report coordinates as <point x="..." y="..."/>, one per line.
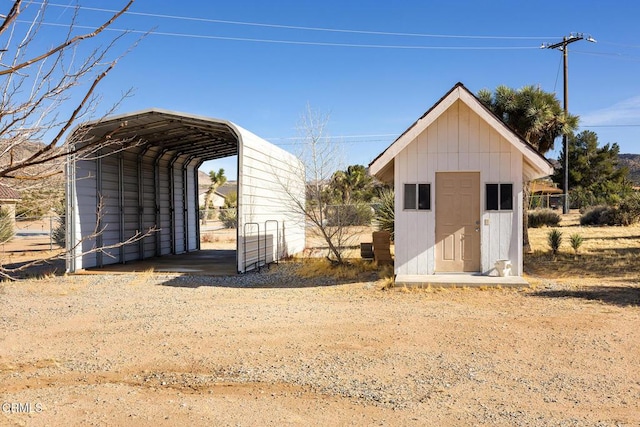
<point x="458" y="140"/>
<point x="269" y="178"/>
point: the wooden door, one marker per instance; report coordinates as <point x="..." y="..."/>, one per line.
<point x="457" y="222"/>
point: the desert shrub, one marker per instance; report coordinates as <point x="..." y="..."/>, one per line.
<point x="229" y="217"/>
<point x="349" y="215"/>
<point x="542" y="217"/>
<point x="6" y="226"/>
<point x="627" y="212"/>
<point x="554" y="237"/>
<point x="595" y="215"/>
<point x="385" y="212"/>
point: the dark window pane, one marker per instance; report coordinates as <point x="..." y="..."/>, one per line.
<point x="409" y="196"/>
<point x="506" y="197"/>
<point x="424" y="196"/>
<point x="492" y="197"/>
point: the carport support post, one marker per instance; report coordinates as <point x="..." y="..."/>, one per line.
<point x="172" y="203"/>
<point x="196" y="181"/>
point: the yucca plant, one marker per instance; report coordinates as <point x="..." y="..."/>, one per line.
<point x="576" y="242"/>
<point x="385" y="215"/>
<point x="554" y="237"/>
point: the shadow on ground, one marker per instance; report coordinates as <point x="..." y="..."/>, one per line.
<point x="19" y="270"/>
<point x="622" y="296"/>
<point x="277" y="276"/>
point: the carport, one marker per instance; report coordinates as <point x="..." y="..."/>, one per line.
<point x="140" y="173"/>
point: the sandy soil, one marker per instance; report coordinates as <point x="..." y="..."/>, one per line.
<point x="274" y="349"/>
<point x="168" y="350"/>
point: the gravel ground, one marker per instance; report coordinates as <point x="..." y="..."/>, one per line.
<point x="273" y="349"/>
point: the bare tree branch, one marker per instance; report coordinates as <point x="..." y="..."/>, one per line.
<point x="68" y="43"/>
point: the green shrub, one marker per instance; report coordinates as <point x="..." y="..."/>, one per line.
<point x="626" y="213"/>
<point x="595" y="215"/>
<point x="554" y="237"/>
<point x="349" y="215"/>
<point x="629" y="210"/>
<point x="385" y="212"/>
<point x="542" y="217"/>
<point x="576" y="242"/>
<point x="6" y="226"/>
<point x="229" y="217"/>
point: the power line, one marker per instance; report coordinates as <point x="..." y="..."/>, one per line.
<point x="298" y="27"/>
<point x="292" y="42"/>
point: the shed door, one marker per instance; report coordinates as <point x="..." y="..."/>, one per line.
<point x="457" y="222"/>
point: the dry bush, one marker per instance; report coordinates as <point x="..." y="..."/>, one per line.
<point x="321" y="267"/>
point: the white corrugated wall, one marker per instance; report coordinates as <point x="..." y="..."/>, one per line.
<point x="268" y="225"/>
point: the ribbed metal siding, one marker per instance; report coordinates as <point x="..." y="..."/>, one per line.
<point x="130" y="191"/>
<point x="109" y="195"/>
<point x="148" y="198"/>
<point x="163" y="195"/>
<point x="269" y="227"/>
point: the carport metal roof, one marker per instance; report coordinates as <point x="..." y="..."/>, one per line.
<point x="184" y="134"/>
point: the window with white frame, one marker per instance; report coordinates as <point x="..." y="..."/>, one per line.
<point x="417" y="197"/>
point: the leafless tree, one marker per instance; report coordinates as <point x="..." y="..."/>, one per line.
<point x="49" y="75"/>
<point x="320" y="157"/>
<point x="47" y="86"/>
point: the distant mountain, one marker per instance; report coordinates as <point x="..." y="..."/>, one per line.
<point x="204" y="182"/>
<point x="631" y="161"/>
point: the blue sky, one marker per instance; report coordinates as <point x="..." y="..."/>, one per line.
<point x="372" y="85"/>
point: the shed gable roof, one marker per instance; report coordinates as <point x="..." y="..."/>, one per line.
<point x="383" y="164"/>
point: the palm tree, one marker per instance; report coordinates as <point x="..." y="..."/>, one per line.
<point x="536" y="116"/>
<point x="217" y="179"/>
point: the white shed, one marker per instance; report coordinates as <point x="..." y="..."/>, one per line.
<point x="149" y="178"/>
<point x="458" y="174"/>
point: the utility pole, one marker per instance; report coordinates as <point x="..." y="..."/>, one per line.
<point x="563" y="46"/>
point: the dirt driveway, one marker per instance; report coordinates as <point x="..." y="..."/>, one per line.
<point x="169" y="350"/>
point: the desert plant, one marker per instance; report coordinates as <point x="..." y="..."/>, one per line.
<point x="348" y="215"/>
<point x="595" y="215"/>
<point x="576" y="241"/>
<point x="6" y="226"/>
<point x="385" y="212"/>
<point x="542" y="217"/>
<point x="629" y="210"/>
<point x="554" y="237"/>
<point x="229" y="217"/>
